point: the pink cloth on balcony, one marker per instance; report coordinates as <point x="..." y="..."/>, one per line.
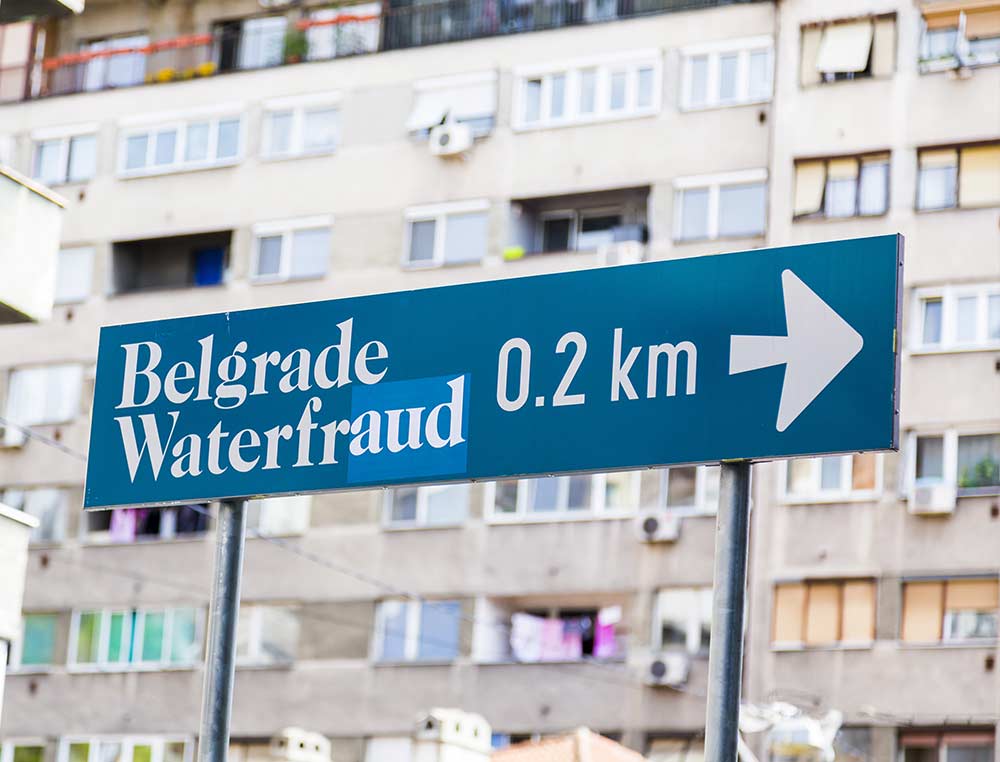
<point x="122" y="527"/>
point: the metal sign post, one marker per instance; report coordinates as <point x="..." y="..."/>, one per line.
<point x="220" y="661"/>
<point x="725" y="655"/>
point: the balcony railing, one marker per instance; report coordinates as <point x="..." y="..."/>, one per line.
<point x="347" y="31"/>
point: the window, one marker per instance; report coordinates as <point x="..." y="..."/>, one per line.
<point x="682" y="619"/>
<point x="37" y="647"/>
<point x="195" y="143"/>
<point x="42" y="395"/>
<point x="960" y="34"/>
<point x="447" y="234"/>
<point x="963" y="177"/>
<point x="300" y="126"/>
<point x="266" y="635"/>
<point x="833" y="478"/>
<point x="68" y="155"/>
<point x="588" y="91"/>
<point x="291" y="250"/>
<point x="74" y="271"/>
<point x="691" y="489"/>
<point x="962" y="745"/>
<point x="956" y="318"/>
<point x="262" y="42"/>
<point x="417" y="630"/>
<point x="727" y="73"/>
<point x="182" y="261"/>
<point x="17" y="40"/>
<point x="949" y="610"/>
<point x="131" y="638"/>
<point x="47" y="504"/>
<point x="554" y="498"/>
<point x="120" y="62"/>
<point x="561" y="634"/>
<point x="468" y="99"/>
<point x="23" y="751"/>
<point x="848" y="50"/>
<point x="126" y="749"/>
<point x="276" y="516"/>
<point x="856" y="186"/>
<point x="128" y="525"/>
<point x="577" y="230"/>
<point x="438" y="505"/>
<point x="334" y="32"/>
<point x="720" y="206"/>
<point x="824" y="612"/>
<point x="970" y="461"/>
<point x="389" y="749"/>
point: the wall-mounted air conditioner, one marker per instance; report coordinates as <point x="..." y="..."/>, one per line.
<point x="298" y="745"/>
<point x="450" y="139"/>
<point x="669" y="669"/>
<point x="658" y="526"/>
<point x="932" y="499"/>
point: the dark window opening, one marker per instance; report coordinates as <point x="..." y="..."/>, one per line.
<point x="164" y="263"/>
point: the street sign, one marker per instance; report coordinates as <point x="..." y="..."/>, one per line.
<point x="752" y="355"/>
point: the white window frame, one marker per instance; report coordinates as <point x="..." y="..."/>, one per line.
<point x="438" y="213"/>
<point x="128" y="742"/>
<point x="950" y="454"/>
<point x="132" y="634"/>
<point x="631" y="62"/>
<point x="713" y="51"/>
<point x="949" y="296"/>
<point x="299" y="105"/>
<point x="598" y="507"/>
<point x="700" y="507"/>
<point x="713" y="184"/>
<point x="17" y="649"/>
<point x="63" y="509"/>
<point x="64" y="135"/>
<point x="8" y="746"/>
<point x="151" y="124"/>
<point x="254" y="613"/>
<point x="843" y="494"/>
<point x="411" y="638"/>
<point x="77" y="250"/>
<point x="286" y="229"/>
<point x="693" y="621"/>
<point x="423" y="497"/>
<point x="576" y="216"/>
<point x="457" y="82"/>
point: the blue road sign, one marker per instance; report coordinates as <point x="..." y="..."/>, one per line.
<point x="752" y="355"/>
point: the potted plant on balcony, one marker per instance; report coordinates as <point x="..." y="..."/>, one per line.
<point x="296" y="46"/>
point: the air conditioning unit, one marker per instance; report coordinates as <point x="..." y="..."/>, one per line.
<point x="621" y="253"/>
<point x="450" y="139"/>
<point x="298" y="745"/>
<point x="658" y="526"/>
<point x="669" y="669"/>
<point x="932" y="500"/>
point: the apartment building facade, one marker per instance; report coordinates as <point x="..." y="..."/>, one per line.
<point x="218" y="155"/>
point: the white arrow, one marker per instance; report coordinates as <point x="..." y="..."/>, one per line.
<point x="818" y="346"/>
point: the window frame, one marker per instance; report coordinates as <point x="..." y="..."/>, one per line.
<point x="422" y="497"/>
<point x="607" y="65"/>
<point x="64" y="135"/>
<point x="949" y="295"/>
<point x="743" y="47"/>
<point x="693" y="621"/>
<point x="9" y="746"/>
<point x="63" y="510"/>
<point x="838" y="645"/>
<point x="181" y="123"/>
<point x="958" y="148"/>
<point x="943" y="640"/>
<point x="439" y="214"/>
<point x="286" y="229"/>
<point x="411" y="635"/>
<point x="598" y="508"/>
<point x="843" y="494"/>
<point x="88" y="251"/>
<point x="950" y="474"/>
<point x="132" y="636"/>
<point x="254" y="616"/>
<point x="17" y="649"/>
<point x="714" y="184"/>
<point x="700" y="507"/>
<point x="300" y="106"/>
<point x="859" y="159"/>
<point x="128" y="743"/>
<point x="576" y="217"/>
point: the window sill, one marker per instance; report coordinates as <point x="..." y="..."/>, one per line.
<point x="819" y="217"/>
<point x="946" y="645"/>
<point x="546" y="663"/>
<point x="39" y="669"/>
<point x="865" y="497"/>
<point x="258" y="280"/>
<point x="420" y="527"/>
<point x="77" y="669"/>
<point x="721" y="238"/>
<point x="141" y="292"/>
<point x="559" y="518"/>
<point x="830" y="647"/>
<point x="415" y="663"/>
<point x="418" y="266"/>
<point x="602" y="119"/>
<point x="134" y="174"/>
<point x="99" y="542"/>
<point x="953" y="350"/>
<point x="833" y="83"/>
<point x="689" y="109"/>
<point x="277" y="158"/>
<point x="941" y="209"/>
<point x="251" y="666"/>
